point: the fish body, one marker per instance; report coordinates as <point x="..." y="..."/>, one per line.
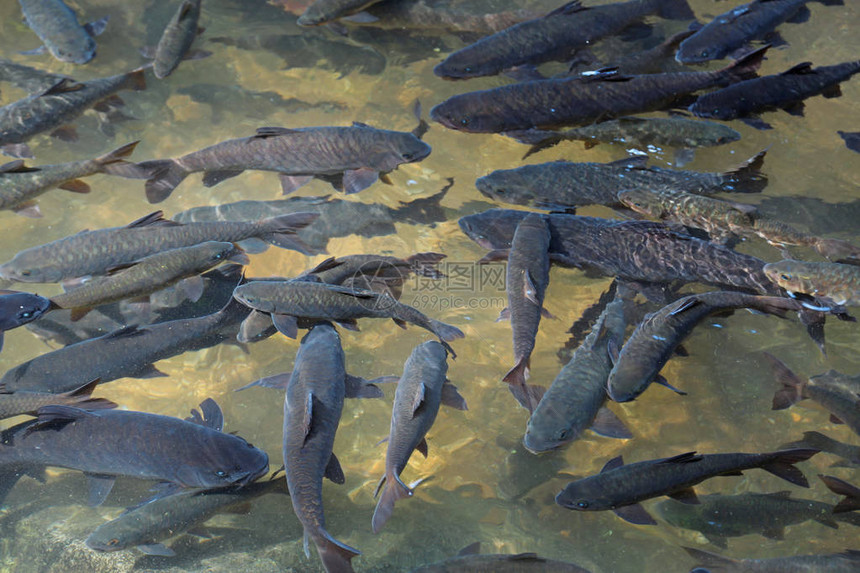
<point x="57" y="26"/>
<point x="322" y="11"/>
<point x="28" y="79"/>
<point x="555" y="36"/>
<point x="62" y="103"/>
<point x="846" y="562"/>
<point x="176" y="39"/>
<point x="833" y="282"/>
<point x="20" y="184"/>
<point x="655" y="339"/>
<point x="578" y="393"/>
<point x="560" y="185"/>
<point x="781" y="91"/>
<point x="519" y="563"/>
<point x="351" y="158"/>
<point x="312" y="409"/>
<point x="620" y="487"/>
<point x="19" y="308"/>
<point x="94" y="252"/>
<point x="379" y="273"/>
<point x="551" y="103"/>
<point x="851" y="139"/>
<point x="30" y="402"/>
<point x="737" y="27"/>
<point x="817" y="440"/>
<point x="109" y="443"/>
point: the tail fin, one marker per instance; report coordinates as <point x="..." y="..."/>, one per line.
<point x="164" y="176"/>
<point x="782" y="465"/>
<point x="281" y="231"/>
<point x="114" y="163"/>
<point x="747" y="177"/>
<point x="336" y="556"/>
<point x="81" y="398"/>
<point x="446" y="332"/>
<point x="394" y="491"/>
<point x="425" y="211"/>
<point x="777" y="305"/>
<point x="675" y="10"/>
<point x="792" y="386"/>
<point x="527" y="396"/>
<point x="840" y="487"/>
<point x="745" y="67"/>
<point x="135" y="80"/>
<point x="835" y="249"/>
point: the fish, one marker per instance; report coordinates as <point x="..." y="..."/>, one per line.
<point x="350" y="158"/>
<point x="176" y="39"/>
<point x="20" y="308"/>
<point x="338" y="217"/>
<point x="444" y="15"/>
<point x="105" y="444"/>
<point x="845" y="562"/>
<point x="556" y="36"/>
<point x="580" y="100"/>
<point x="837" y="392"/>
<point x="621" y="487"/>
<point x="53" y="108"/>
<point x="652" y="344"/>
<point x="20" y="184"/>
<point x="679" y="132"/>
<point x="28" y="79"/>
<point x="576" y="398"/>
<point x="565" y="185"/>
<point x="423" y="387"/>
<point x="94" y="252"/>
<point x="734" y="29"/>
<point x="57" y="26"/>
<point x="147" y="525"/>
<point x="379" y="273"/>
<point x="287" y="301"/>
<point x="129" y="351"/>
<point x="841" y="487"/>
<point x="151" y="274"/>
<point x="850" y="454"/>
<point x="831" y="283"/>
<point x="852" y="139"/>
<point x="745" y="100"/>
<point x="30" y="402"/>
<point x="468" y="560"/>
<point x="719" y="517"/>
<point x="322" y="11"/>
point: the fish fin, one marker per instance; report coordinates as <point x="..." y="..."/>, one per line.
<point x="357" y="387"/>
<point x="99" y="486"/>
<point x="361" y="18"/>
<point x="196" y="54"/>
<point x="79" y="312"/>
<point x="399" y="322"/>
<point x="192" y="287"/>
<point x="307" y="415"/>
<point x="395" y="490"/>
<point x="612" y="464"/>
<point x="720" y="542"/>
<point x="305" y="544"/>
<point x="833" y="91"/>
<point x="634" y="162"/>
<point x="150" y="371"/>
<point x="681" y="350"/>
<point x="278" y="381"/>
<point x="28" y="209"/>
<point x="164" y="176"/>
<point x="35" y="51"/>
<point x="659" y="379"/>
<point x="794" y="108"/>
<point x="154" y="219"/>
<point x="212" y="178"/>
<point x="570" y="8"/>
<point x="253" y="245"/>
<point x="792" y="386"/>
<point x="290" y="183"/>
<point x="263" y="132"/>
<point x="495" y="256"/>
<point x="712" y="559"/>
<point x="530" y="291"/>
<point x="64" y="86"/>
<point x="283" y="233"/>
<point x="9" y="476"/>
<point x="776" y="533"/>
<point x="676" y="10"/>
<point x="355" y="180"/>
<point x="782" y="465"/>
<point x="834" y="419"/>
<point x="802" y="15"/>
<point x="56" y="416"/>
<point x="66" y="133"/>
<point x="17" y="166"/>
<point x="756" y="123"/>
<point x="96" y="28"/>
<point x="20" y="150"/>
<point x="606" y="423"/>
<point x="352" y="324"/>
<point x="148" y="52"/>
<point x="446" y="333"/>
<point x="452" y="398"/>
<point x="335" y="555"/>
<point x="418" y="398"/>
<point x="841" y="487"/>
<point x="472" y="549"/>
<point x="826" y="521"/>
<point x="635" y="514"/>
<point x="613" y="350"/>
<point x="687" y="496"/>
<point x="746" y="66"/>
<point x="422" y="447"/>
<point x="255" y="325"/>
<point x="527" y="396"/>
<point x="333" y="471"/>
<point x="802" y="68"/>
<point x="1" y="348"/>
<point x="158" y="549"/>
<point x="209" y="415"/>
<point x="504" y="314"/>
<point x="286" y="324"/>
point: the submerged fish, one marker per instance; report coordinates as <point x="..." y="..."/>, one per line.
<point x="30" y="402"/>
<point x="621" y="487"/>
<point x="846" y="562"/>
<point x="420" y="391"/>
<point x="28" y="79"/>
<point x="469" y="561"/>
<point x="555" y="36"/>
<point x="581" y="100"/>
<point x="379" y="273"/>
<point x="60" y="104"/>
<point x="94" y="252"/>
<point x="350" y="158"/>
<point x="176" y="39"/>
<point x="322" y="11"/>
<point x="745" y="100"/>
<point x="817" y="440"/>
<point x="57" y="26"/>
<point x="20" y="184"/>
<point x="831" y="283"/>
<point x="841" y="487"/>
<point x="655" y="339"/>
<point x="852" y="140"/>
<point x="19" y="308"/>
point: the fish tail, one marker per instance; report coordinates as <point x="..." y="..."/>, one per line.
<point x="745" y="67"/>
<point x="777" y="305"/>
<point x="164" y="176"/>
<point x="675" y="10"/>
<point x="444" y="331"/>
<point x="336" y="556"/>
<point x="835" y="249"/>
<point x="832" y="2"/>
<point x="792" y="385"/>
<point x="527" y="396"/>
<point x="135" y="80"/>
<point x="394" y="491"/>
<point x="114" y="163"/>
<point x="281" y="231"/>
<point x="747" y="177"/>
<point x="425" y="211"/>
<point x="840" y="487"/>
<point x="781" y="464"/>
<point x="82" y="398"/>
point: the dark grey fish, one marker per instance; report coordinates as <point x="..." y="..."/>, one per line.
<point x="852" y="140"/>
<point x="581" y="100"/>
<point x="20" y="184"/>
<point x="60" y="104"/>
<point x="30" y="402"/>
<point x="846" y="562"/>
<point x="719" y="517"/>
<point x="654" y="341"/>
<point x="109" y="443"/>
<point x="621" y="487"/>
<point x="19" y="308"/>
<point x="745" y="100"/>
<point x="147" y="525"/>
<point x="379" y="273"/>
<point x="350" y="158"/>
<point x="176" y="39"/>
<point x="555" y="36"/>
<point x="127" y="352"/>
<point x="817" y="440"/>
<point x="732" y="30"/>
<point x="28" y="79"/>
<point x="468" y="561"/>
<point x="94" y="252"/>
<point x="57" y="26"/>
<point x="575" y="400"/>
<point x="563" y="185"/>
<point x="445" y="15"/>
<point x="322" y="11"/>
<point x="837" y="392"/>
<point x="841" y="487"/>
<point x="420" y="391"/>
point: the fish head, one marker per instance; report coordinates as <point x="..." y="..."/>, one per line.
<point x="25" y="268"/>
<point x="508" y="186"/>
<point x="110" y="536"/>
<point x="217" y="252"/>
<point x="226" y="460"/>
<point x="398" y="148"/>
<point x="721" y="135"/>
<point x="492" y="229"/>
<point x="249" y="295"/>
<point x="73" y="49"/>
<point x="458" y="67"/>
<point x="544" y="436"/>
<point x="587" y="494"/>
<point x="641" y="201"/>
<point x="793" y="276"/>
<point x="467" y="112"/>
<point x="19" y="308"/>
<point x="698" y="49"/>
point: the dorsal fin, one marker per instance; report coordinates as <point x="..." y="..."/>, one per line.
<point x="612" y="464"/>
<point x="212" y="416"/>
<point x="154" y="218"/>
<point x="800" y="69"/>
<point x="569" y="8"/>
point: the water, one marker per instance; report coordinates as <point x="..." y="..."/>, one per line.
<point x="484" y="487"/>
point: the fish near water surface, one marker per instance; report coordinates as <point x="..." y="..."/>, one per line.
<point x="322" y="11"/>
<point x="842" y="487"/>
<point x="850" y="454"/>
<point x="846" y="562"/>
<point x="28" y="79"/>
<point x="30" y="402"/>
<point x="379" y="273"/>
<point x="20" y="308"/>
<point x="420" y="391"/>
<point x="831" y="283"/>
<point x="852" y="139"/>
<point x="350" y="158"/>
<point x="621" y="487"/>
<point x="468" y="560"/>
<point x="176" y="39"/>
<point x="57" y="26"/>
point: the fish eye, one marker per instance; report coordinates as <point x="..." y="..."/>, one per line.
<point x="582" y="504"/>
<point x="221" y="473"/>
<point x="408" y="156"/>
<point x="562" y="435"/>
<point x="704" y="54"/>
<point x="785" y="277"/>
<point x="464" y="121"/>
<point x="113" y="542"/>
<point x="25" y="273"/>
<point x="25" y="314"/>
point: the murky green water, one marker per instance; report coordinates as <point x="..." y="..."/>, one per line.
<point x="484" y="487"/>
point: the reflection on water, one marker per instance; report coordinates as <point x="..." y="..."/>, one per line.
<point x="267" y="71"/>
